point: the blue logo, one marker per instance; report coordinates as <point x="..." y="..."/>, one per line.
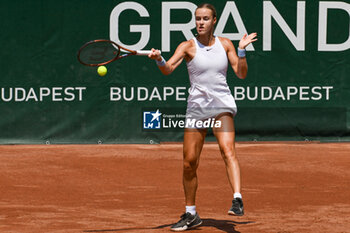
<point x="151" y="120"/>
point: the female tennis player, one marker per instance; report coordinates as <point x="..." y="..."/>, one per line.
<point x="207" y="58"/>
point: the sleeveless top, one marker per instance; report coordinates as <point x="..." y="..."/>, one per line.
<point x="209" y="94"/>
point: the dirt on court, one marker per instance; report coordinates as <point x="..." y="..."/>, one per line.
<point x="287" y="187"/>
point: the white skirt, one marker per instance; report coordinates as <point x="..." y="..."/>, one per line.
<point x="203" y="104"/>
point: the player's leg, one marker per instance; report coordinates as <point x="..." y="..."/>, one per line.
<point x="192" y="147"/>
<point x="226" y="140"/>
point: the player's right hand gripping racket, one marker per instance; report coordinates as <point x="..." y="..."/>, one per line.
<point x="102" y="52"/>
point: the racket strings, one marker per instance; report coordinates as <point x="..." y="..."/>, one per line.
<point x="98" y="53"/>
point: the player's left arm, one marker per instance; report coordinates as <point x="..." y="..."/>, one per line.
<point x="238" y="64"/>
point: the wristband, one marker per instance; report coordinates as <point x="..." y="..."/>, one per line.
<point x="162" y="62"/>
<point x="241" y="53"/>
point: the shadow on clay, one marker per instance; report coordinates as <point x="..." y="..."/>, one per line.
<point x="227" y="226"/>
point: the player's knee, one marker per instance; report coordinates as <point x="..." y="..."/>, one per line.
<point x="228" y="153"/>
<point x="190" y="167"/>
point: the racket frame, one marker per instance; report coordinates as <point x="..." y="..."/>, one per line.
<point x="118" y="49"/>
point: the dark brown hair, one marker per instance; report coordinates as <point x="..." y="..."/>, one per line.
<point x="209" y="6"/>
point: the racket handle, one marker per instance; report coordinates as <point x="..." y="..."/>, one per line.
<point x="144" y="52"/>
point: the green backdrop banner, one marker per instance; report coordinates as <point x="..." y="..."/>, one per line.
<point x="297" y="88"/>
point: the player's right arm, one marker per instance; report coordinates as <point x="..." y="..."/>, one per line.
<point x="181" y="52"/>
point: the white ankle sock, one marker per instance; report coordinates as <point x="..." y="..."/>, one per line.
<point x="191" y="209"/>
<point x="237" y="195"/>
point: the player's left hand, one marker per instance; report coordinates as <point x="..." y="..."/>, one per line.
<point x="247" y="39"/>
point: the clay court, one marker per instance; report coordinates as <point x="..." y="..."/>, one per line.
<point x="287" y="187"/>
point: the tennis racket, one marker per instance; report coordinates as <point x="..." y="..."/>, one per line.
<point x="102" y="52"/>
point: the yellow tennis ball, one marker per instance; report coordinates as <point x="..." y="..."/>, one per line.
<point x="102" y="70"/>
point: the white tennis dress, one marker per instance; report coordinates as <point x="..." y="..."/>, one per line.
<point x="209" y="94"/>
